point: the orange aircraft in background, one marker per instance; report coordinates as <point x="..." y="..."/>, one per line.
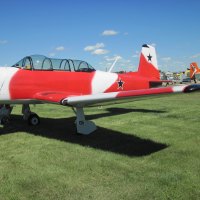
<point x="194" y="70"/>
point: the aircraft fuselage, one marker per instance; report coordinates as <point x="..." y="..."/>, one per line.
<point x="21" y="85"/>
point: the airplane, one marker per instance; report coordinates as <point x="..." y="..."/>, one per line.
<point x="194" y="70"/>
<point x="38" y="79"/>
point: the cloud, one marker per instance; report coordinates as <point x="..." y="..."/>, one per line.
<point x="112" y="58"/>
<point x="166" y="59"/>
<point x="109" y="33"/>
<point x="136" y="55"/>
<point x="3" y="41"/>
<point x="122" y="64"/>
<point x="60" y="48"/>
<point x="6" y="65"/>
<point x="195" y="56"/>
<point x="56" y="50"/>
<point x="153" y="44"/>
<point x="100" y="51"/>
<point x="52" y="54"/>
<point x="94" y="47"/>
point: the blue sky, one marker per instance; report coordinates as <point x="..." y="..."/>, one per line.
<point x="98" y="31"/>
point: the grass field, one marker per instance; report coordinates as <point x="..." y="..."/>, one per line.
<point x="147" y="149"/>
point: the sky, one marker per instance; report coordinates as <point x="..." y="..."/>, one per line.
<point x="98" y="31"/>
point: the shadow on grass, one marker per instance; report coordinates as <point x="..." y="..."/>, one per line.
<point x="121" y="111"/>
<point x="63" y="129"/>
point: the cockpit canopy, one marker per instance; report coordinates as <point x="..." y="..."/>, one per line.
<point x="39" y="62"/>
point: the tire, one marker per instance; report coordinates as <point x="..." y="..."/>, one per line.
<point x="34" y="120"/>
<point x="5" y="120"/>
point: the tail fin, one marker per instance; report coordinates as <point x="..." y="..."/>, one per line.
<point x="193" y="69"/>
<point x="148" y="66"/>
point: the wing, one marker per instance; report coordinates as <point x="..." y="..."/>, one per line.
<point x="85" y="100"/>
<point x="74" y="99"/>
<point x="53" y="97"/>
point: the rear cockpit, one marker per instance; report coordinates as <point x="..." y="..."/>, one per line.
<point x="39" y="62"/>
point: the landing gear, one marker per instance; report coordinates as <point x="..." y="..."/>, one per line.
<point x="5" y="120"/>
<point x="5" y="111"/>
<point x="32" y="118"/>
<point x="83" y="126"/>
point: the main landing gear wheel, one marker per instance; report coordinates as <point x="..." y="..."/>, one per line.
<point x="34" y="120"/>
<point x="5" y="111"/>
<point x="5" y="120"/>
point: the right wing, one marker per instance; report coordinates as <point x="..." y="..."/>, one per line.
<point x="53" y="96"/>
<point x="85" y="100"/>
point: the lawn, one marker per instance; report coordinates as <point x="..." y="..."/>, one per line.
<point x="148" y="149"/>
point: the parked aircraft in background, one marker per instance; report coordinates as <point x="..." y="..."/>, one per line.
<point x="37" y="79"/>
<point x="194" y="71"/>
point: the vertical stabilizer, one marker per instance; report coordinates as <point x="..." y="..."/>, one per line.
<point x="148" y="66"/>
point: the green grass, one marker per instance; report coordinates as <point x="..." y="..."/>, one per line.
<point x="145" y="149"/>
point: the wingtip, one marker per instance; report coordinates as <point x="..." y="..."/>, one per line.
<point x="192" y="88"/>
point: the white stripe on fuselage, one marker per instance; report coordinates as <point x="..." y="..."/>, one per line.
<point x="6" y="74"/>
<point x="102" y="81"/>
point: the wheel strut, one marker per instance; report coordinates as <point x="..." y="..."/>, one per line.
<point x="83" y="126"/>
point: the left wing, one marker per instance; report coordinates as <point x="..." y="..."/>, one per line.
<point x="85" y="100"/>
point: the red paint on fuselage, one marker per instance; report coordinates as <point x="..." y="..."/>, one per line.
<point x="26" y="83"/>
<point x="131" y="81"/>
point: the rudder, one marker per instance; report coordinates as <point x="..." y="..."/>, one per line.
<point x="148" y="66"/>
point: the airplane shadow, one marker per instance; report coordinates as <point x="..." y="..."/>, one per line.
<point x="121" y="111"/>
<point x="102" y="139"/>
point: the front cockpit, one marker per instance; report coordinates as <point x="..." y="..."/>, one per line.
<point x="39" y="62"/>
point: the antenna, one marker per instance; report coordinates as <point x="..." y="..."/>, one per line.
<point x="116" y="59"/>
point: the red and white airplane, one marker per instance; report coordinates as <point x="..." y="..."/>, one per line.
<point x="38" y="79"/>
